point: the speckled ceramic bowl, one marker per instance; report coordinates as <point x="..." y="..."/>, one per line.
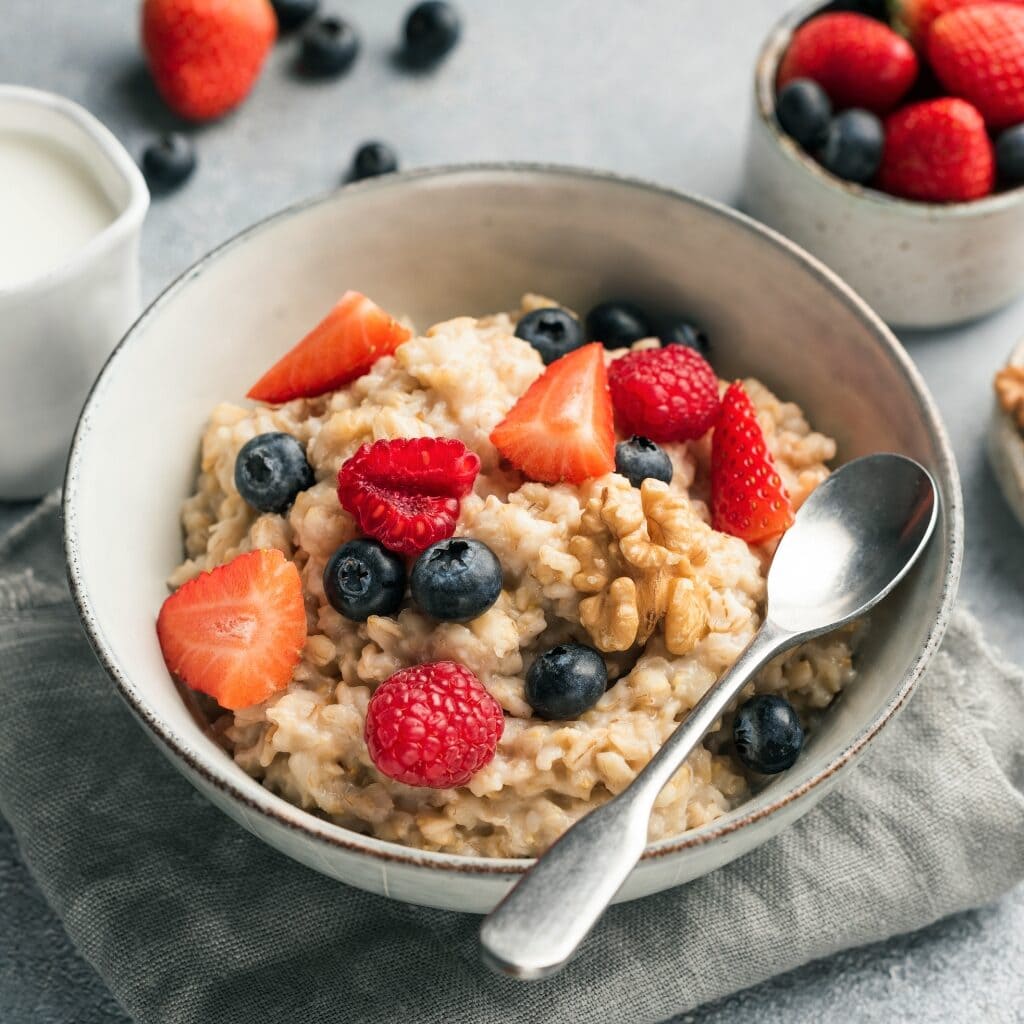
<point x="917" y="264"/>
<point x="471" y="240"/>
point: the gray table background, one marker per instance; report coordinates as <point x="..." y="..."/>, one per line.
<point x="656" y="88"/>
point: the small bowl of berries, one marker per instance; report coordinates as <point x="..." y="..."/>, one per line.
<point x="888" y="140"/>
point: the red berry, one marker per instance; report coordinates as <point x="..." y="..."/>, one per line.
<point x="748" y="498"/>
<point x="914" y="18"/>
<point x="406" y="492"/>
<point x="665" y="394"/>
<point x="236" y="633"/>
<point x="205" y="55"/>
<point x="433" y="725"/>
<point x="857" y="60"/>
<point x="937" y="152"/>
<point x="978" y="55"/>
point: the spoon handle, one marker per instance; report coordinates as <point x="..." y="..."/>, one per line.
<point x="539" y="925"/>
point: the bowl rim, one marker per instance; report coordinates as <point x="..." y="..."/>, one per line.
<point x="765" y="71"/>
<point x="282" y="813"/>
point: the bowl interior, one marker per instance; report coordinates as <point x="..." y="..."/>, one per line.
<point x="433" y="245"/>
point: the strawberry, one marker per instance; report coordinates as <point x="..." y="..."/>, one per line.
<point x="236" y="633"/>
<point x="205" y="55"/>
<point x="748" y="498"/>
<point x="978" y="54"/>
<point x="857" y="60"/>
<point x="343" y="346"/>
<point x="937" y="152"/>
<point x="914" y="18"/>
<point x="561" y="428"/>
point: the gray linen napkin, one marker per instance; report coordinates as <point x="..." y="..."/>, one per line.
<point x="190" y="919"/>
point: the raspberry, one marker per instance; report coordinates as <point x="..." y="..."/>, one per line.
<point x="433" y="725"/>
<point x="406" y="492"/>
<point x="665" y="394"/>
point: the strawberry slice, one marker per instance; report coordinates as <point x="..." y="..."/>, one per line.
<point x="236" y="633"/>
<point x="562" y="427"/>
<point x="343" y="346"/>
<point x="748" y="498"/>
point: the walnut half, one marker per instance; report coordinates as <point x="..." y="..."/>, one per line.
<point x="1009" y="385"/>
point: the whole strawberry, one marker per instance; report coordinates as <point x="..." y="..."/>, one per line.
<point x="205" y="55"/>
<point x="914" y="18"/>
<point x="857" y="60"/>
<point x="978" y="54"/>
<point x="937" y="152"/>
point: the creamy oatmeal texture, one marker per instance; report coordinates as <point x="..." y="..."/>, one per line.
<point x="603" y="563"/>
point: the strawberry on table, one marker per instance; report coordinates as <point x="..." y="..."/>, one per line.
<point x="343" y="346"/>
<point x="236" y="633"/>
<point x="562" y="427"/>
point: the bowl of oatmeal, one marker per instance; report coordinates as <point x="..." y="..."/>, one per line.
<point x="474" y="427"/>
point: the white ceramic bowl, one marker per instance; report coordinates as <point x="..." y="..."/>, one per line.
<point x="471" y="240"/>
<point x="917" y="264"/>
<point x="1006" y="448"/>
<point x="57" y="329"/>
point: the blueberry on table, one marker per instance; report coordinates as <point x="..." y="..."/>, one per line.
<point x="553" y="332"/>
<point x="804" y="111"/>
<point x="640" y="459"/>
<point x="168" y="162"/>
<point x="565" y="681"/>
<point x="271" y="470"/>
<point x="457" y="579"/>
<point x="373" y="159"/>
<point x="682" y="332"/>
<point x="1010" y="155"/>
<point x="767" y="735"/>
<point x="292" y="13"/>
<point x="431" y="30"/>
<point x="853" y="147"/>
<point x="362" y="578"/>
<point x="329" y="46"/>
<point x="617" y="324"/>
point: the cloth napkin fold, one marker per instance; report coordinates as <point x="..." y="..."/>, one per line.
<point x="188" y="918"/>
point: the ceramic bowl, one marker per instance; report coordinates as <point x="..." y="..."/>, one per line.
<point x="471" y="240"/>
<point x="917" y="264"/>
<point x="1006" y="448"/>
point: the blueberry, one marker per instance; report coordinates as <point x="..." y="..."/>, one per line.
<point x="1010" y="155"/>
<point x="456" y="580"/>
<point x="270" y="470"/>
<point x="552" y="332"/>
<point x="292" y="13"/>
<point x="853" y="147"/>
<point x="767" y="734"/>
<point x="565" y="681"/>
<point x="617" y="324"/>
<point x="878" y="9"/>
<point x="168" y="162"/>
<point x="431" y="30"/>
<point x="682" y="332"/>
<point x="804" y="111"/>
<point x="640" y="459"/>
<point x="373" y="159"/>
<point x="329" y="46"/>
<point x="363" y="578"/>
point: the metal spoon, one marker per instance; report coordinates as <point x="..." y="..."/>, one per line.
<point x="854" y="539"/>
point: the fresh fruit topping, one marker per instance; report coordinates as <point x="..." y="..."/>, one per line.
<point x="748" y="498"/>
<point x="853" y="147"/>
<point x="362" y="578"/>
<point x="666" y="394"/>
<point x="431" y="31"/>
<point x="804" y="112"/>
<point x="270" y="470"/>
<point x="913" y="18"/>
<point x="553" y="332"/>
<point x="329" y="47"/>
<point x="292" y="13"/>
<point x="343" y="346"/>
<point x="978" y="55"/>
<point x="565" y="681"/>
<point x="1010" y="155"/>
<point x="168" y="162"/>
<point x="433" y="725"/>
<point x="682" y="332"/>
<point x="562" y="427"/>
<point x="857" y="60"/>
<point x="373" y="159"/>
<point x="640" y="459"/>
<point x="767" y="735"/>
<point x="205" y="55"/>
<point x="236" y="633"/>
<point x="617" y="324"/>
<point x="406" y="492"/>
<point x="456" y="580"/>
<point x="937" y="152"/>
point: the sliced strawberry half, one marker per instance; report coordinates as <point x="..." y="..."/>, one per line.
<point x="562" y="427"/>
<point x="343" y="346"/>
<point x="748" y="498"/>
<point x="236" y="633"/>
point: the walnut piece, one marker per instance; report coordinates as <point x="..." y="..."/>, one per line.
<point x="1009" y="384"/>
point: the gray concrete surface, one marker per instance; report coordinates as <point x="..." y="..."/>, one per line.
<point x="656" y="88"/>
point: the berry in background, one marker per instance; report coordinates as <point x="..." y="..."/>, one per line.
<point x="804" y="112"/>
<point x="552" y="331"/>
<point x="329" y="47"/>
<point x="431" y="31"/>
<point x="853" y="146"/>
<point x="168" y="162"/>
<point x="373" y="159"/>
<point x="617" y="324"/>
